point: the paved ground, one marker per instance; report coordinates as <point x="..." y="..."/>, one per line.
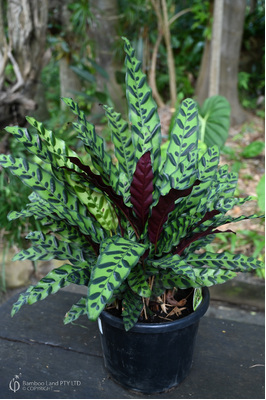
<point x="42" y="358"/>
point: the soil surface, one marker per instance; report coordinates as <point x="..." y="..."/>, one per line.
<point x="182" y="305"/>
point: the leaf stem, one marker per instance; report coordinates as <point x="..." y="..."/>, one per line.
<point x="144" y="308"/>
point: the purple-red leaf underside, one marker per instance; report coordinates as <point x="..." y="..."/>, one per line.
<point x="162" y="210"/>
<point x="196" y="236"/>
<point x="208" y="215"/>
<point x="141" y="189"/>
<point x="97" y="180"/>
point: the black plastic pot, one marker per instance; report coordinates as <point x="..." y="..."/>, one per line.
<point x="150" y="358"/>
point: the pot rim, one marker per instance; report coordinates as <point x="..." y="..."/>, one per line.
<point x="162" y="326"/>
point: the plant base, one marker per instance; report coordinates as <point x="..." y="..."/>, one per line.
<point x="150" y="358"/>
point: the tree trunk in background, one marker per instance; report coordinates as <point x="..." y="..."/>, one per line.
<point x="24" y="50"/>
<point x="233" y="24"/>
<point x="202" y="85"/>
<point x="216" y="43"/>
<point x="170" y="56"/>
<point x="69" y="81"/>
<point x="233" y="27"/>
<point x="3" y="47"/>
<point x="103" y="33"/>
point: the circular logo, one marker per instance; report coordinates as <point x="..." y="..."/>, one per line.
<point x="14" y="385"/>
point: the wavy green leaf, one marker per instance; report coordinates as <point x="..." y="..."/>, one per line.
<point x="173" y="232"/>
<point x="23" y="299"/>
<point x="178" y="265"/>
<point x="137" y="281"/>
<point x="132" y="307"/>
<point x="76" y="311"/>
<point x="98" y="206"/>
<point x="145" y="122"/>
<point x="120" y="255"/>
<point x="48" y="247"/>
<point x="122" y="140"/>
<point x="224" y="261"/>
<point x="69" y="233"/>
<point x="79" y="277"/>
<point x="202" y="277"/>
<point x="46" y="146"/>
<point x="180" y="168"/>
<point x="94" y="145"/>
<point x="60" y="199"/>
<point x="51" y="283"/>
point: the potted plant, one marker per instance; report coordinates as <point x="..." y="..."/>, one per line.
<point x="133" y="228"/>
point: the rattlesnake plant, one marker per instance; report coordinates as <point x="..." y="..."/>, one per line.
<point x="131" y="226"/>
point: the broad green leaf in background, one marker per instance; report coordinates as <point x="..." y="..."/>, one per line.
<point x="214" y="119"/>
<point x="253" y="149"/>
<point x="260" y="189"/>
<point x="98" y="68"/>
<point x="83" y="73"/>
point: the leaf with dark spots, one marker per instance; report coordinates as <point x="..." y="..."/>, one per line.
<point x="150" y="115"/>
<point x="180" y="123"/>
<point x="141" y="82"/>
<point x="132" y="92"/>
<point x="133" y="108"/>
<point x="189" y="148"/>
<point x="192" y="115"/>
<point x="138" y="66"/>
<point x="145" y="98"/>
<point x="141" y="189"/>
<point x="172" y="159"/>
<point x="190" y="132"/>
<point x="176" y="140"/>
<point x="116" y="199"/>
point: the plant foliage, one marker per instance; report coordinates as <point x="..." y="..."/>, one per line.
<point x="131" y="229"/>
<point x="214" y="118"/>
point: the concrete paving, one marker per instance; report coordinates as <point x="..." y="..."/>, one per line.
<point x="40" y="357"/>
